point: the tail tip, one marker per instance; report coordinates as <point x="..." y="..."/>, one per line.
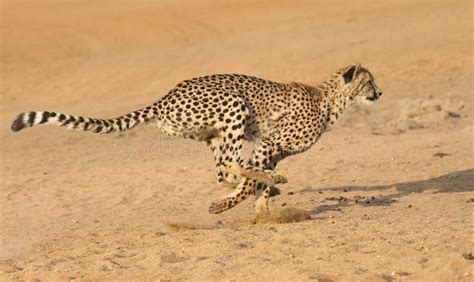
<point x="18" y="123"/>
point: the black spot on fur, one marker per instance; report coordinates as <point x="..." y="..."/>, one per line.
<point x="67" y="122"/>
<point x="31" y="118"/>
<point x="45" y="117"/>
<point x="119" y="124"/>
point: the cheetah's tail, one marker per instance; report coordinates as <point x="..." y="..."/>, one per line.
<point x="102" y="126"/>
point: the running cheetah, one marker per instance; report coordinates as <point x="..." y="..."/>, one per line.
<point x="225" y="109"/>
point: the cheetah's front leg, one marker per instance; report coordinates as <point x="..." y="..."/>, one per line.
<point x="267" y="176"/>
<point x="266" y="155"/>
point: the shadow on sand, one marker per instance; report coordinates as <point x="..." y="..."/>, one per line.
<point x="455" y="182"/>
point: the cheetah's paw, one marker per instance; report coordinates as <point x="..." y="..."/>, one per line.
<point x="266" y="176"/>
<point x="274" y="191"/>
<point x="218" y="207"/>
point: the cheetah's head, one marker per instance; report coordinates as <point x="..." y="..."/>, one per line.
<point x="358" y="85"/>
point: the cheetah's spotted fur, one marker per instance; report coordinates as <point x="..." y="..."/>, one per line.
<point x="223" y="110"/>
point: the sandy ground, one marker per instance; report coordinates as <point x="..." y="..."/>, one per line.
<point x="389" y="191"/>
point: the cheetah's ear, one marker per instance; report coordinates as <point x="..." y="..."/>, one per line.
<point x="351" y="72"/>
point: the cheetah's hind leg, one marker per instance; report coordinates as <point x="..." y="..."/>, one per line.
<point x="242" y="192"/>
<point x="224" y="179"/>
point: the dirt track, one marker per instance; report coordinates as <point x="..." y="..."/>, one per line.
<point x="390" y="190"/>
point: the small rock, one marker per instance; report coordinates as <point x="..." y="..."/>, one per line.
<point x="468" y="256"/>
<point x="402" y="273"/>
<point x="423" y="260"/>
<point x="441" y="155"/>
<point x="453" y="115"/>
<point x="244" y="246"/>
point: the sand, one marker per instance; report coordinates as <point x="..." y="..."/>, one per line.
<point x="387" y="194"/>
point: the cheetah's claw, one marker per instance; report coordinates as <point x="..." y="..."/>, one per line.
<point x="217" y="207"/>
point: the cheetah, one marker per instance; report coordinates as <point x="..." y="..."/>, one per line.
<point x="223" y="110"/>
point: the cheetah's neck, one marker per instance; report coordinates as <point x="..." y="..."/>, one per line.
<point x="334" y="99"/>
